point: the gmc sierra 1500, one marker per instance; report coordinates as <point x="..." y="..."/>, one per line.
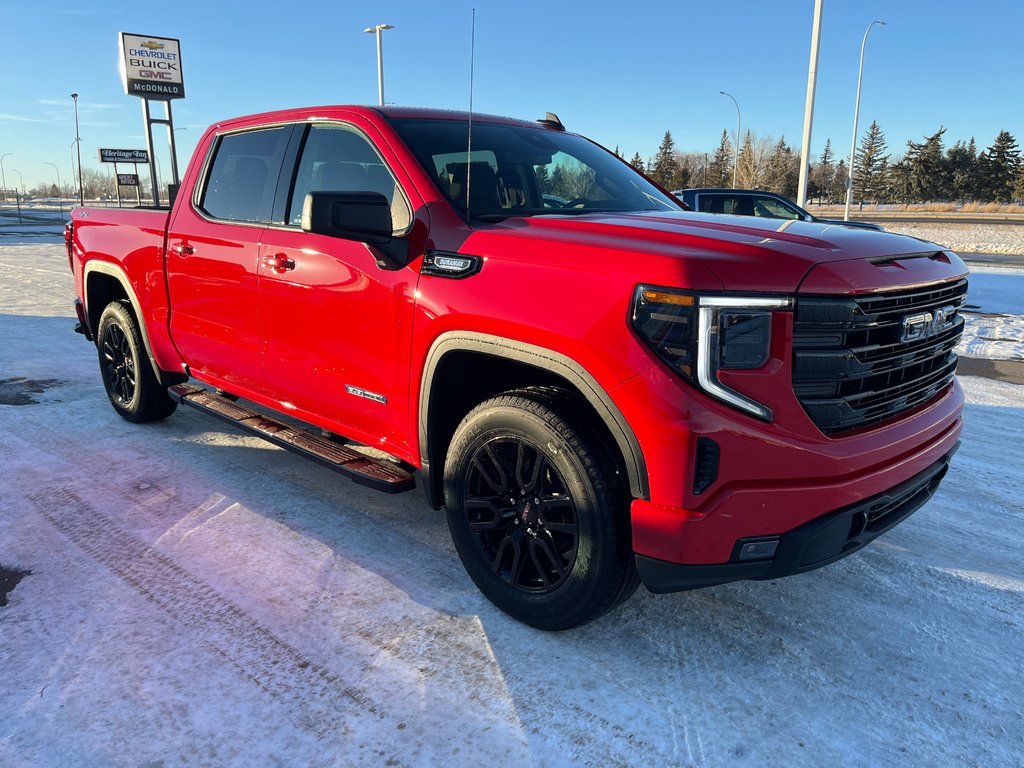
<point x="600" y="390"/>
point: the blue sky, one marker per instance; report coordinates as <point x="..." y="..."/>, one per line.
<point x="620" y="73"/>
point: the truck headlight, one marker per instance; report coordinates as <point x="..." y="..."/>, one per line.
<point x="697" y="336"/>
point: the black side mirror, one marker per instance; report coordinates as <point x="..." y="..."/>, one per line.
<point x="361" y="216"/>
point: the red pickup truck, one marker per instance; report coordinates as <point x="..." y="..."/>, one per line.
<point x="600" y="388"/>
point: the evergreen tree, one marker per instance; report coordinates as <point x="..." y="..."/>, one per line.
<point x="543" y="179"/>
<point x="782" y="172"/>
<point x="962" y="163"/>
<point x="900" y="188"/>
<point x="720" y="168"/>
<point x="871" y="165"/>
<point x="638" y="163"/>
<point x="822" y="176"/>
<point x="839" y="180"/>
<point x="926" y="168"/>
<point x="998" y="167"/>
<point x="665" y="168"/>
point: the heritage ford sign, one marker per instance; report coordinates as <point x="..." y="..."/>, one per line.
<point x="151" y="67"/>
<point x="123" y="155"/>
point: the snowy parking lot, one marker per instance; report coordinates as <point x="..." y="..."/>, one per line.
<point x="200" y="598"/>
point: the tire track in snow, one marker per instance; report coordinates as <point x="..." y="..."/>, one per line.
<point x="320" y="701"/>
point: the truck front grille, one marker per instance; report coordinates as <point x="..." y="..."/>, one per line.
<point x="864" y="359"/>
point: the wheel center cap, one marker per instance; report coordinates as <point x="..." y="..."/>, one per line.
<point x="527" y="511"/>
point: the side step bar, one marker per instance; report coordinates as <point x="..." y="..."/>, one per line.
<point x="379" y="474"/>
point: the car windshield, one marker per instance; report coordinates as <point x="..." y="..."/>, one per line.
<point x="514" y="170"/>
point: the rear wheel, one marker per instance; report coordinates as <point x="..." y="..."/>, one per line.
<point x="127" y="374"/>
<point x="537" y="510"/>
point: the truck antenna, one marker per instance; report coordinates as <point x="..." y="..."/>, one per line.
<point x="469" y="136"/>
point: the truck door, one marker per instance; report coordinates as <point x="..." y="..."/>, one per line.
<point x="337" y="327"/>
<point x="213" y="258"/>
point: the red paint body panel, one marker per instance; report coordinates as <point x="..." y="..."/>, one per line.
<point x="294" y="340"/>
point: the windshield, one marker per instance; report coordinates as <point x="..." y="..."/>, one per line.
<point x="517" y="170"/>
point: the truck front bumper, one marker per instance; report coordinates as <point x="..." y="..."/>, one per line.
<point x="821" y="541"/>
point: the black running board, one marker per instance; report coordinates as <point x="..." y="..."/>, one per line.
<point x="379" y="474"/>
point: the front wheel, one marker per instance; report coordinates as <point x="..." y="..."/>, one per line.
<point x="537" y="510"/>
<point x="127" y="374"/>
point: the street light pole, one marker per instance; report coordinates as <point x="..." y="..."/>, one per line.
<point x="17" y="199"/>
<point x="856" y="117"/>
<point x="736" y="165"/>
<point x="22" y="179"/>
<point x="3" y="176"/>
<point x="78" y="141"/>
<point x="380" y="59"/>
<point x="60" y="202"/>
<point x="812" y="84"/>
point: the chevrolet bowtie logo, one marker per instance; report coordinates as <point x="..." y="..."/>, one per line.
<point x="151" y="45"/>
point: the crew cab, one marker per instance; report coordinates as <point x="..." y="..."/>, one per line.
<point x="756" y="202"/>
<point x="598" y="387"/>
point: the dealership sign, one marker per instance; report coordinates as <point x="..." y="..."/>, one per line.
<point x="123" y="155"/>
<point x="151" y="67"/>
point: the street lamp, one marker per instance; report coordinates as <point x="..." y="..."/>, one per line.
<point x="736" y="165"/>
<point x="380" y="59"/>
<point x="856" y="116"/>
<point x="22" y="179"/>
<point x="60" y="190"/>
<point x="78" y="141"/>
<point x="3" y="176"/>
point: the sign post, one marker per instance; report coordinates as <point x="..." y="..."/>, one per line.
<point x="133" y="156"/>
<point x="151" y="70"/>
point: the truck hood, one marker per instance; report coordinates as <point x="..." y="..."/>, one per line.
<point x="744" y="253"/>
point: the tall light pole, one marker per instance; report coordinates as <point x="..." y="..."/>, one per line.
<point x="380" y="59"/>
<point x="22" y="179"/>
<point x="735" y="165"/>
<point x="17" y="200"/>
<point x="856" y="117"/>
<point x="78" y="141"/>
<point x="812" y="84"/>
<point x="3" y="176"/>
<point x="60" y="190"/>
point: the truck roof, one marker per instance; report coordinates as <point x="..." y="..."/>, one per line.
<point x="396" y="112"/>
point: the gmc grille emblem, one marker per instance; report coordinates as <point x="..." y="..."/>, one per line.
<point x="927" y="324"/>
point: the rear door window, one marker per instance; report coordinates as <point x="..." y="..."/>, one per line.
<point x="242" y="179"/>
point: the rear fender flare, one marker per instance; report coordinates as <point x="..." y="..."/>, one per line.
<point x="166" y="378"/>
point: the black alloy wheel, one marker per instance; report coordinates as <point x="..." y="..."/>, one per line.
<point x="128" y="375"/>
<point x="521" y="514"/>
<point x="118" y="365"/>
<point x="537" y="509"/>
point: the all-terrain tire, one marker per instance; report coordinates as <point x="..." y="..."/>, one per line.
<point x="538" y="511"/>
<point x="127" y="373"/>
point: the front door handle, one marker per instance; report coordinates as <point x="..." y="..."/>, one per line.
<point x="279" y="263"/>
<point x="183" y="249"/>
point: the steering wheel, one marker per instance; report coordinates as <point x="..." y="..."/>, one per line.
<point x="577" y="201"/>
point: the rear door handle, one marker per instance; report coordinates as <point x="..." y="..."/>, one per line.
<point x="183" y="249"/>
<point x="279" y="263"/>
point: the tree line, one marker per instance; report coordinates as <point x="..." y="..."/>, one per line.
<point x="926" y="172"/>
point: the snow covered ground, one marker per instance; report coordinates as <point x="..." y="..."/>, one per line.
<point x="200" y="598"/>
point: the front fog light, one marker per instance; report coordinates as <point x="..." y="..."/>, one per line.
<point x="758" y="550"/>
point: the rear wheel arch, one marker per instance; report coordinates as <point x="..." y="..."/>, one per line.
<point x="106" y="283"/>
<point x="448" y="392"/>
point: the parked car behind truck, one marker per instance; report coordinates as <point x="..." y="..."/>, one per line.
<point x="755" y="202"/>
<point x="599" y="393"/>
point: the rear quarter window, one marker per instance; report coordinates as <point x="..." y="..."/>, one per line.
<point x="242" y="179"/>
